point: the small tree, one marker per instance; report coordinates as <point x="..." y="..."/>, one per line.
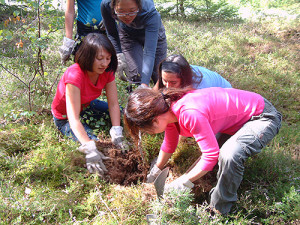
<point x="25" y="35"/>
<point x="200" y="9"/>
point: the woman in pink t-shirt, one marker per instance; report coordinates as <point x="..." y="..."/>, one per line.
<point x="251" y="120"/>
<point x="77" y="93"/>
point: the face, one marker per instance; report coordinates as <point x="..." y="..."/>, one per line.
<point x="160" y="124"/>
<point x="101" y="61"/>
<point x="127" y="10"/>
<point x="170" y="80"/>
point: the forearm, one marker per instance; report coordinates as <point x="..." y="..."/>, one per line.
<point x="79" y="131"/>
<point x="156" y="86"/>
<point x="162" y="159"/>
<point x="194" y="172"/>
<point x="114" y="113"/>
<point x="69" y="21"/>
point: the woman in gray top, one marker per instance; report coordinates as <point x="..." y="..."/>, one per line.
<point x="138" y="37"/>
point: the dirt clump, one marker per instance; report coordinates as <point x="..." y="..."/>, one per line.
<point x="123" y="168"/>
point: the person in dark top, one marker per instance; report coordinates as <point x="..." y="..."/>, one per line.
<point x="138" y="37"/>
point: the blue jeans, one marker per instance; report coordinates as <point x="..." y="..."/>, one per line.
<point x="97" y="109"/>
<point x="246" y="142"/>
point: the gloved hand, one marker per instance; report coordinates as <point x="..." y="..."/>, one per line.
<point x="122" y="67"/>
<point x="141" y="86"/>
<point x="181" y="183"/>
<point x="154" y="172"/>
<point x="66" y="49"/>
<point x="117" y="138"/>
<point x="94" y="158"/>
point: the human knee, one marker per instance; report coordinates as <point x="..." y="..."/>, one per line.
<point x="231" y="160"/>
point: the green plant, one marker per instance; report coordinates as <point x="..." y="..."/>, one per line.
<point x="25" y="36"/>
<point x="43" y="178"/>
<point x="175" y="208"/>
<point x="199" y="10"/>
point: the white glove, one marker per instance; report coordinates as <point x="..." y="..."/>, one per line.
<point x="117" y="138"/>
<point x="141" y="86"/>
<point x="181" y="183"/>
<point x="66" y="49"/>
<point x="93" y="158"/>
<point x="155" y="171"/>
<point x="122" y="67"/>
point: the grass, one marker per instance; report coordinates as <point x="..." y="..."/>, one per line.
<point x="42" y="178"/>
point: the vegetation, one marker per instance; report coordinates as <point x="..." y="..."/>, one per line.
<point x="42" y="177"/>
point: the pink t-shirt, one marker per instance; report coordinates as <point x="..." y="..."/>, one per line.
<point x="88" y="91"/>
<point x="203" y="113"/>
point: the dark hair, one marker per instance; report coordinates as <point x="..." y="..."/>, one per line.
<point x="145" y="104"/>
<point x="87" y="52"/>
<point x="177" y="64"/>
<point x="113" y="4"/>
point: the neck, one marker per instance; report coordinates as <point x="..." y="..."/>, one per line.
<point x="171" y="117"/>
<point x="93" y="77"/>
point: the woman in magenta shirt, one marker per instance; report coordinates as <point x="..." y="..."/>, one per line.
<point x="251" y="120"/>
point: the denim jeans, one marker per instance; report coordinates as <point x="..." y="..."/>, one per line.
<point x="132" y="48"/>
<point x="246" y="142"/>
<point x="97" y="109"/>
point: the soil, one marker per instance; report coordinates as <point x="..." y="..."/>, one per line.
<point x="129" y="168"/>
<point x="123" y="168"/>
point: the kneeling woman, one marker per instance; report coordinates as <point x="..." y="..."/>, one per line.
<point x="77" y="92"/>
<point x="251" y="120"/>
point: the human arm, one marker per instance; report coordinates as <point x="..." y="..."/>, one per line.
<point x="156" y="86"/>
<point x="69" y="18"/>
<point x="162" y="159"/>
<point x="110" y="25"/>
<point x="200" y="128"/>
<point x="113" y="104"/>
<point x="94" y="158"/>
<point x="168" y="147"/>
<point x="73" y="103"/>
<point x="116" y="131"/>
<point x="152" y="26"/>
<point x="65" y="50"/>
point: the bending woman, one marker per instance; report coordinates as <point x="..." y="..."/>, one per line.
<point x="175" y="72"/>
<point x="77" y="93"/>
<point x="251" y="120"/>
<point x="139" y="38"/>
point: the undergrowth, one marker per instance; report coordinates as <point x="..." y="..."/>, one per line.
<point x="42" y="175"/>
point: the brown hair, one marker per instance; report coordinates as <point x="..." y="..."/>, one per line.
<point x="177" y="64"/>
<point x="145" y="104"/>
<point x="87" y="52"/>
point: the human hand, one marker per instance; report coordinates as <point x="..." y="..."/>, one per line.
<point x="66" y="49"/>
<point x="117" y="138"/>
<point x="141" y="86"/>
<point x="181" y="183"/>
<point x="122" y="67"/>
<point x="94" y="158"/>
<point x="154" y="172"/>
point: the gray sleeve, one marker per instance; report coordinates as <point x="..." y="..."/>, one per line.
<point x="110" y="25"/>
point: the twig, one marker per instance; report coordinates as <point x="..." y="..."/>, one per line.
<point x="99" y="193"/>
<point x="14" y="75"/>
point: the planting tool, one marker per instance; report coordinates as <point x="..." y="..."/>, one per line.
<point x="160" y="181"/>
<point x="140" y="147"/>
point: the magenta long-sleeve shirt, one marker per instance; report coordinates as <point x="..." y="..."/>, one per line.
<point x="203" y="113"/>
